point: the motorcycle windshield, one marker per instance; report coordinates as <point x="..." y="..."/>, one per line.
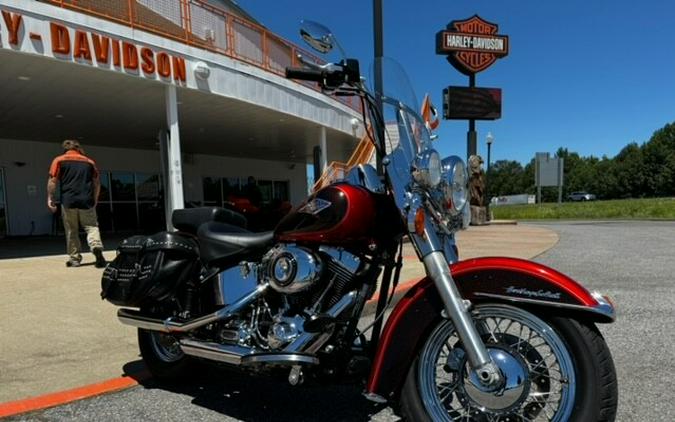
<point x="404" y="127"/>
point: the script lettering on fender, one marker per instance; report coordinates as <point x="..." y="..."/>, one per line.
<point x="532" y="293"/>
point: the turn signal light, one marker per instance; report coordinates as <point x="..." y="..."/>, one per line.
<point x="419" y="222"/>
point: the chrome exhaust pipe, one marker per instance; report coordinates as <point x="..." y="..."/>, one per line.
<point x="136" y="319"/>
<point x="300" y="351"/>
<point x="227" y="353"/>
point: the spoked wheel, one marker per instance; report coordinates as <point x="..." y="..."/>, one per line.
<point x="556" y="370"/>
<point x="163" y="356"/>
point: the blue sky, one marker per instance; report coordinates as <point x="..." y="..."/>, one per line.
<point x="589" y="75"/>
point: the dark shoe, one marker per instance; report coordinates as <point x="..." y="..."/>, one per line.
<point x="72" y="262"/>
<point x="100" y="260"/>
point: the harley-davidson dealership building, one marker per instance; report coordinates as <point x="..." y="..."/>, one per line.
<point x="179" y="102"/>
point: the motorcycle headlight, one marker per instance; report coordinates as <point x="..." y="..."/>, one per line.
<point x="428" y="168"/>
<point x="454" y="184"/>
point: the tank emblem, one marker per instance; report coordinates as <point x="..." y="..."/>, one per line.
<point x="315" y="206"/>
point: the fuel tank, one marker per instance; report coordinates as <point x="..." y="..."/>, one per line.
<point x="340" y="214"/>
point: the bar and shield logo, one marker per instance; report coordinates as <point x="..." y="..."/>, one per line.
<point x="472" y="45"/>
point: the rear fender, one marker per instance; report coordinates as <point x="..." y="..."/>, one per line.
<point x="518" y="282"/>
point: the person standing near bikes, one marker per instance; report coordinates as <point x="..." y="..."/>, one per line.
<point x="80" y="185"/>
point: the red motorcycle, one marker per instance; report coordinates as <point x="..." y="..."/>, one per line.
<point x="488" y="339"/>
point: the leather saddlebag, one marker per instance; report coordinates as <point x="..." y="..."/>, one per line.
<point x="149" y="268"/>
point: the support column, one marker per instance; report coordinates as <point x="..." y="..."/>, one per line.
<point x="316" y="163"/>
<point x="163" y="139"/>
<point x="171" y="157"/>
<point x="324" y="148"/>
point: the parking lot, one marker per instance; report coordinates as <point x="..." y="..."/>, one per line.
<point x="630" y="261"/>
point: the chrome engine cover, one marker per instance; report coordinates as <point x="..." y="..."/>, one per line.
<point x="235" y="282"/>
<point x="291" y="269"/>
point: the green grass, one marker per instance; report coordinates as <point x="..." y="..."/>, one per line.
<point x="653" y="208"/>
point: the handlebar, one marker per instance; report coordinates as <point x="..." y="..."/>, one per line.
<point x="329" y="76"/>
<point x="305" y="74"/>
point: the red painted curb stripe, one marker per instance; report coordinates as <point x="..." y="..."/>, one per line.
<point x="56" y="399"/>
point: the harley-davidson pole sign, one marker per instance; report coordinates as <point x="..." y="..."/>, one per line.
<point x="471" y="46"/>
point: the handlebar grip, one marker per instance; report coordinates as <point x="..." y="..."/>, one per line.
<point x="304" y="74"/>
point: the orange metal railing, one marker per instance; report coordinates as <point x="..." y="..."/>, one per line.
<point x="200" y="24"/>
<point x="362" y="154"/>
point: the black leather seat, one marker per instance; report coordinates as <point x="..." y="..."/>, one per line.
<point x="188" y="220"/>
<point x="226" y="244"/>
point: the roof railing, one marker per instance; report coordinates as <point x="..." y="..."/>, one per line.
<point x="200" y="24"/>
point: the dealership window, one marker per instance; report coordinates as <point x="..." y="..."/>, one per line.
<point x="217" y="189"/>
<point x="131" y="202"/>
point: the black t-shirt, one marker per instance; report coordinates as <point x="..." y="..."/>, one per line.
<point x="76" y="174"/>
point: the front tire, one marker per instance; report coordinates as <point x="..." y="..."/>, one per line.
<point x="163" y="356"/>
<point x="561" y="370"/>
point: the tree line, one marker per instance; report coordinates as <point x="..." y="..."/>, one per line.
<point x="637" y="171"/>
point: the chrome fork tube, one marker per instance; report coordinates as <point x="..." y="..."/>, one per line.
<point x="479" y="358"/>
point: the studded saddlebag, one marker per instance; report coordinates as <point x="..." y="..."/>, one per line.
<point x="149" y="268"/>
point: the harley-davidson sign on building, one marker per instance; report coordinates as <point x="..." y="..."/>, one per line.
<point x="472" y="45"/>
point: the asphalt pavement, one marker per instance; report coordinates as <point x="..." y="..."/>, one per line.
<point x="633" y="262"/>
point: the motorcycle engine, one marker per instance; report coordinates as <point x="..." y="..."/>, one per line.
<point x="309" y="281"/>
<point x="304" y="284"/>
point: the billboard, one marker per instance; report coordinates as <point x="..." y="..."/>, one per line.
<point x="465" y="103"/>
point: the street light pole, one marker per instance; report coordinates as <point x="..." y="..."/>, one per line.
<point x="489" y="138"/>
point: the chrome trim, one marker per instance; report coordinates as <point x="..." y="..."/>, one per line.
<point x="515" y="387"/>
<point x="306" y="271"/>
<point x="376" y="398"/>
<point x="603" y="307"/>
<point x="136" y="319"/>
<point x="449" y="248"/>
<point x="318" y="343"/>
<point x="279" y="358"/>
<point x="234" y="282"/>
<point x="438" y="269"/>
<point x="230" y="353"/>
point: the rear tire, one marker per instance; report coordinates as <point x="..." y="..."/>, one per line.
<point x="590" y="395"/>
<point x="162" y="355"/>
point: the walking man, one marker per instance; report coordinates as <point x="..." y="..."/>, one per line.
<point x="79" y="187"/>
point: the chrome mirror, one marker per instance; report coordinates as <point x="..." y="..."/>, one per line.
<point x="316" y="36"/>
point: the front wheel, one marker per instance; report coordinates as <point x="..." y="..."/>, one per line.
<point x="556" y="369"/>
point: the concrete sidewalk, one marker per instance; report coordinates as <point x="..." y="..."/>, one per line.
<point x="56" y="333"/>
